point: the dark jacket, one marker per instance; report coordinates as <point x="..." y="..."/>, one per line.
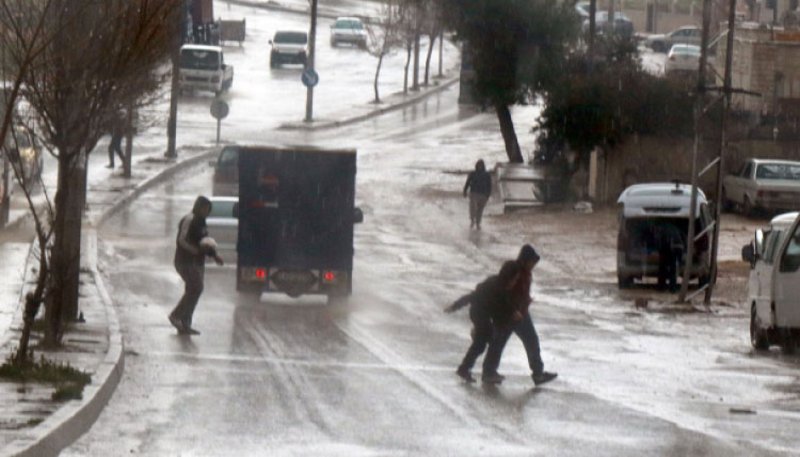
<point x="191" y="229"/>
<point x="478" y="182"/>
<point x="488" y="302"/>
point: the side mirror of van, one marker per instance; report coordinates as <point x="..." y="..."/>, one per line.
<point x="749" y="254"/>
<point x="759" y="242"/>
<point x="236" y="210"/>
<point x="358" y="216"/>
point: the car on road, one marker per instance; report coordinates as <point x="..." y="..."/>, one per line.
<point x="223" y="225"/>
<point x="688" y="34"/>
<point x="761" y="184"/>
<point x="682" y="59"/>
<point x="773" y="289"/>
<point x="225" y="181"/>
<point x="23" y="149"/>
<point x="582" y="8"/>
<point x="623" y="26"/>
<point x="203" y="67"/>
<point x="349" y="30"/>
<point x="288" y="46"/>
<point x="646" y="207"/>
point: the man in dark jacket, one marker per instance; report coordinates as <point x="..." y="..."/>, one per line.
<point x="488" y="302"/>
<point x="520" y="322"/>
<point x="479" y="185"/>
<point x="669" y="241"/>
<point x="190" y="258"/>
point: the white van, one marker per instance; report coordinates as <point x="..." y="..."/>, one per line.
<point x="773" y="291"/>
<point x="645" y="206"/>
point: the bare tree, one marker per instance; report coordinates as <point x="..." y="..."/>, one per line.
<point x="24" y="38"/>
<point x="384" y="37"/>
<point x="432" y="27"/>
<point x="102" y="56"/>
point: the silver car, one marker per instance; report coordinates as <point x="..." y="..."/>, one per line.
<point x="223" y="226"/>
<point x="348" y="30"/>
<point x="763" y="184"/>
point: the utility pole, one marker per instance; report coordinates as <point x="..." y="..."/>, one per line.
<point x="312" y="38"/>
<point x="172" y="122"/>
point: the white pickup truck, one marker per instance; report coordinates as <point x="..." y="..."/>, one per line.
<point x="773" y="291"/>
<point x="203" y="68"/>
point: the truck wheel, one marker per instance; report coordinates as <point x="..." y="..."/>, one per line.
<point x="787" y="342"/>
<point x="758" y="337"/>
<point x="273" y="62"/>
<point x="624" y="282"/>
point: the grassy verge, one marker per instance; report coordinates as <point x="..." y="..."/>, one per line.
<point x="68" y="381"/>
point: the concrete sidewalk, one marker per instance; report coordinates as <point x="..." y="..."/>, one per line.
<point x="31" y="424"/>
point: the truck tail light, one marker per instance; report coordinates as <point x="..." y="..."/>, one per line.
<point x="261" y="274"/>
<point x="329" y="276"/>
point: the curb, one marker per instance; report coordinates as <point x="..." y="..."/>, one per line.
<point x="70" y="421"/>
<point x="391" y="107"/>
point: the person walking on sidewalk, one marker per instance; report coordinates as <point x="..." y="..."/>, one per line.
<point x="522" y="324"/>
<point x="192" y="246"/>
<point x="486" y="303"/>
<point x="115" y="145"/>
<point x="479" y="186"/>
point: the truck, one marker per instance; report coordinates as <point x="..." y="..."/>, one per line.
<point x="773" y="289"/>
<point x="296" y="215"/>
<point x="203" y="67"/>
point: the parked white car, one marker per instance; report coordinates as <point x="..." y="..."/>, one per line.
<point x="348" y="30"/>
<point x="763" y="184"/>
<point x="288" y="46"/>
<point x="682" y="58"/>
<point x="223" y="226"/>
<point x="773" y="291"/>
<point x="683" y="35"/>
<point x="645" y="207"/>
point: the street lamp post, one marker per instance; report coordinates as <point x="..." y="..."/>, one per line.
<point x="312" y="39"/>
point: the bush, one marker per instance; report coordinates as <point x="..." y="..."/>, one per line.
<point x="68" y="381"/>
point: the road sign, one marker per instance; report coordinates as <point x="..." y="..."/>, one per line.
<point x="310" y="77"/>
<point x="219" y="109"/>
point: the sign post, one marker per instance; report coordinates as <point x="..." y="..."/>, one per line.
<point x="219" y="110"/>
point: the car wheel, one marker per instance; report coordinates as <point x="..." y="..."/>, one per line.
<point x="624" y="282"/>
<point x="727" y="204"/>
<point x="659" y="47"/>
<point x="747" y="207"/>
<point x="758" y="337"/>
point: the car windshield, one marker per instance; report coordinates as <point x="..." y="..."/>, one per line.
<point x="778" y="171"/>
<point x="347" y="24"/>
<point x="291" y="37"/>
<point x="198" y="59"/>
<point x="222" y="209"/>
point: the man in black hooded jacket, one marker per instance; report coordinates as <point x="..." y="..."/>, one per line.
<point x="190" y="259"/>
<point x="489" y="304"/>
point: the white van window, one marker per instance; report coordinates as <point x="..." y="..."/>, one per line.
<point x="771" y="245"/>
<point x="791" y="257"/>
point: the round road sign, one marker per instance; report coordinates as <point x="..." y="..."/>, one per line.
<point x="309" y="77"/>
<point x="219" y="109"/>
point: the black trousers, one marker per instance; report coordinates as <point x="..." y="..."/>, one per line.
<point x="668" y="268"/>
<point x="530" y="340"/>
<point x="482" y="332"/>
<point x="192" y="276"/>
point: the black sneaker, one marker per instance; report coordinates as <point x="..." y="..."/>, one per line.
<point x="465" y="375"/>
<point x="492" y="378"/>
<point x="176" y="323"/>
<point x="543" y="377"/>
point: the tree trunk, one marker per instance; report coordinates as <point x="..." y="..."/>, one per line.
<point x="415" y="85"/>
<point x="428" y="57"/>
<point x="409" y="47"/>
<point x="62" y="300"/>
<point x="126" y="162"/>
<point x="509" y="135"/>
<point x="377" y="75"/>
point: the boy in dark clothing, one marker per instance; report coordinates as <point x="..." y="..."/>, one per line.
<point x="115" y="145"/>
<point x="479" y="185"/>
<point x="488" y="304"/>
<point x="520" y="323"/>
<point x="192" y="246"/>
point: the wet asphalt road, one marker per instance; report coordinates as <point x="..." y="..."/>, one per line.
<point x="375" y="376"/>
